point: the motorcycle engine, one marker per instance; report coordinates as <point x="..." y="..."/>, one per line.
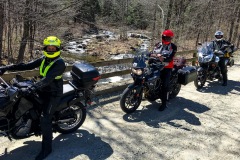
<point x="22" y="127"/>
<point x="24" y="106"/>
<point x="151" y="92"/>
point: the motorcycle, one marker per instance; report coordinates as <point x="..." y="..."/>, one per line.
<point x="20" y="114"/>
<point x="147" y="83"/>
<point x="208" y="63"/>
<point x="229" y="54"/>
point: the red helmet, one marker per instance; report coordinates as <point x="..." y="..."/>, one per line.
<point x="167" y="36"/>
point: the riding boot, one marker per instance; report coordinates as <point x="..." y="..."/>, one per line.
<point x="43" y="154"/>
<point x="46" y="127"/>
<point x="164" y="102"/>
<point x="162" y="106"/>
<point x="224" y="79"/>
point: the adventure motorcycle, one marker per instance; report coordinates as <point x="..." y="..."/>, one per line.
<point x="20" y="114"/>
<point x="208" y="63"/>
<point x="147" y="81"/>
<point x="229" y="55"/>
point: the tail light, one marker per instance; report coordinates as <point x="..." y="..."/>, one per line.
<point x="96" y="78"/>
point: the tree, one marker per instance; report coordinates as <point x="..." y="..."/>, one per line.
<point x="87" y="10"/>
<point x="169" y="14"/>
<point x="26" y="27"/>
<point x="1" y="27"/>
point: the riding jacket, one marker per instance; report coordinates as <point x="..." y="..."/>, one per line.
<point x="167" y="51"/>
<point x="218" y="45"/>
<point x="51" y="70"/>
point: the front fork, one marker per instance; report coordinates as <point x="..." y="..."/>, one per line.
<point x="201" y="74"/>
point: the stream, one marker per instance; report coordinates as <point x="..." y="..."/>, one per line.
<point x="78" y="47"/>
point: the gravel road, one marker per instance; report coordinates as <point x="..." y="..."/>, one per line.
<point x="197" y="125"/>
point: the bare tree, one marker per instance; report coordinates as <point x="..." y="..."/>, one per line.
<point x="123" y="11"/>
<point x="25" y="35"/>
<point x="169" y="14"/>
<point x="1" y="27"/>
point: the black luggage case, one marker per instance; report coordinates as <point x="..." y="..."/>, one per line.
<point x="187" y="75"/>
<point x="85" y="75"/>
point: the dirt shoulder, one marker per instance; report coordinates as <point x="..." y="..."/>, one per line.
<point x="197" y="125"/>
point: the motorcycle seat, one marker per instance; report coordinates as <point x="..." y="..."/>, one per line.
<point x="67" y="89"/>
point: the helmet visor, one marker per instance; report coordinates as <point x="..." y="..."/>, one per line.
<point x="51" y="49"/>
<point x="167" y="38"/>
<point x="219" y="36"/>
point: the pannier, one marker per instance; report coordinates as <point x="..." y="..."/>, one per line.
<point x="179" y="62"/>
<point x="187" y="75"/>
<point x="85" y="75"/>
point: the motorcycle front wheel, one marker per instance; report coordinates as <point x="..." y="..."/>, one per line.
<point x="72" y="119"/>
<point x="130" y="100"/>
<point x="200" y="80"/>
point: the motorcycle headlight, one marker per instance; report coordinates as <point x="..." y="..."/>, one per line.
<point x="137" y="71"/>
<point x="207" y="58"/>
<point x="200" y="57"/>
<point x="217" y="59"/>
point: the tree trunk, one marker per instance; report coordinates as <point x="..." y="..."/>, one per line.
<point x="238" y="41"/>
<point x="235" y="34"/>
<point x="154" y="24"/>
<point x="123" y="29"/>
<point x="32" y="35"/>
<point x="32" y="24"/>
<point x="1" y="27"/>
<point x="9" y="39"/>
<point x="169" y="14"/>
<point x="25" y="36"/>
<point x="233" y="18"/>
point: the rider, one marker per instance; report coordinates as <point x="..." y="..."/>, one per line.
<point x="50" y="87"/>
<point x="217" y="45"/>
<point x="165" y="51"/>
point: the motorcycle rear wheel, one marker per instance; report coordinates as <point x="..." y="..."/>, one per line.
<point x="175" y="91"/>
<point x="130" y="100"/>
<point x="231" y="62"/>
<point x="73" y="121"/>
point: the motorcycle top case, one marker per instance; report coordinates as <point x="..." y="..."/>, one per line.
<point x="85" y="75"/>
<point x="187" y="75"/>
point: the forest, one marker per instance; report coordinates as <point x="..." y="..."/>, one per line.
<point x="25" y="23"/>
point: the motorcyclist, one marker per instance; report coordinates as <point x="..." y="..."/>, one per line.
<point x="218" y="45"/>
<point x="50" y="87"/>
<point x="165" y="51"/>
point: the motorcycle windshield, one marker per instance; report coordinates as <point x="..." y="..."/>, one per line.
<point x="205" y="49"/>
<point x="139" y="61"/>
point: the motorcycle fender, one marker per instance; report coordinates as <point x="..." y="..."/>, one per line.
<point x="68" y="101"/>
<point x="200" y="69"/>
<point x="131" y="86"/>
<point x="137" y="87"/>
<point x="226" y="61"/>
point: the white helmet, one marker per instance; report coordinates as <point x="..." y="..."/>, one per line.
<point x="218" y="35"/>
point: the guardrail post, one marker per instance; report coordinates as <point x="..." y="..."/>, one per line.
<point x="195" y="59"/>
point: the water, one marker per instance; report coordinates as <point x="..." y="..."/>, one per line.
<point x="78" y="47"/>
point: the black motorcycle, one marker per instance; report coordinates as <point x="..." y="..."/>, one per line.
<point x="147" y="81"/>
<point x="208" y="63"/>
<point x="20" y="114"/>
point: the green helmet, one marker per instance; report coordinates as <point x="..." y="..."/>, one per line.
<point x="51" y="41"/>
